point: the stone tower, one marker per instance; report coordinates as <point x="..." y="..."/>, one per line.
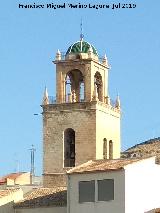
<point x="82" y="123"/>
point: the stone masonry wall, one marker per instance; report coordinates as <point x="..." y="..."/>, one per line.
<point x="91" y="122"/>
<point x="54" y="180"/>
<point x="56" y="120"/>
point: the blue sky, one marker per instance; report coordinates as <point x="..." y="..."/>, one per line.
<point x="29" y="39"/>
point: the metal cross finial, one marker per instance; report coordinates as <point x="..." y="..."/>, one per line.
<point x="81" y="35"/>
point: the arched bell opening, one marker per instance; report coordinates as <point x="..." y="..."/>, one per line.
<point x="69" y="148"/>
<point x="74" y="86"/>
<point x="99" y="85"/>
<point x="68" y="84"/>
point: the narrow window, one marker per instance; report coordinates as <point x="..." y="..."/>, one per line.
<point x="106" y="190"/>
<point x="104" y="148"/>
<point x="69" y="148"/>
<point x="110" y="149"/>
<point x="86" y="191"/>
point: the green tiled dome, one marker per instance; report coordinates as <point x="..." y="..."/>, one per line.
<point x="76" y="48"/>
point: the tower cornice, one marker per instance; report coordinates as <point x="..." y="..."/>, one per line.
<point x="82" y="61"/>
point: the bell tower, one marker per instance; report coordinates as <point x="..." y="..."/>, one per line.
<point x="82" y="123"/>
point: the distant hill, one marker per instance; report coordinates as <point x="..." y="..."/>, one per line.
<point x="147" y="148"/>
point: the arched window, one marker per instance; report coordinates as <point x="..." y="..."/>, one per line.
<point x="74" y="86"/>
<point x="104" y="148"/>
<point x="110" y="149"/>
<point x="69" y="148"/>
<point x="98" y="82"/>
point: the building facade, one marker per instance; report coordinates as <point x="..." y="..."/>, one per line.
<point x="122" y="185"/>
<point x="82" y="123"/>
<point x="15" y="179"/>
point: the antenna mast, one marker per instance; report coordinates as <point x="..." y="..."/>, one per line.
<point x="32" y="172"/>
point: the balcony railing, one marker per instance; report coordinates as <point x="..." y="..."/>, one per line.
<point x="63" y="55"/>
<point x="112" y="102"/>
<point x="52" y="100"/>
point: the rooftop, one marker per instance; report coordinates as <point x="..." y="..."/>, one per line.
<point x="44" y="197"/>
<point x="103" y="165"/>
<point x="12" y="176"/>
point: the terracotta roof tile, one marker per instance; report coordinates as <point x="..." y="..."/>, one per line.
<point x="103" y="165"/>
<point x="44" y="197"/>
<point x="12" y="176"/>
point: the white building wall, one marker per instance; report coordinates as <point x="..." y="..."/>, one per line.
<point x="142" y="186"/>
<point x="7" y="202"/>
<point x="42" y="210"/>
<point x="23" y="179"/>
<point x="13" y="196"/>
<point x="115" y="206"/>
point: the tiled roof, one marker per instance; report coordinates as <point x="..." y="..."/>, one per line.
<point x="7" y="192"/>
<point x="44" y="197"/>
<point x="147" y="148"/>
<point x="153" y="141"/>
<point x="103" y="165"/>
<point x="12" y="176"/>
<point x="2" y="181"/>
